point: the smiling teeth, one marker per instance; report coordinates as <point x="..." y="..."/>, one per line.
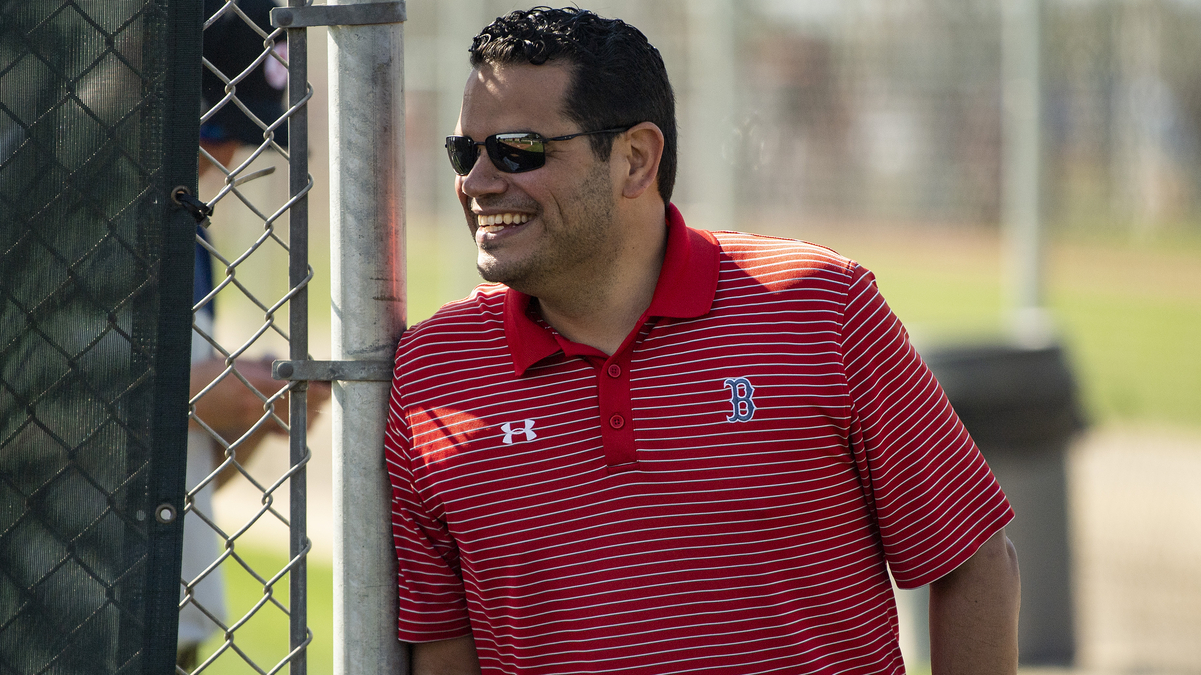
<point x="499" y="220"/>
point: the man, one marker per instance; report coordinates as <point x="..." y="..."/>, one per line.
<point x="651" y="449"/>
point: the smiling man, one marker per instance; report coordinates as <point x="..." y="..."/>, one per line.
<point x="645" y="448"/>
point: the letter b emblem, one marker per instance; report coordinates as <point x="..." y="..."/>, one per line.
<point x="741" y="399"/>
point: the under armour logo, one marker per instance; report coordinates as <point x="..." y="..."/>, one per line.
<point x="507" y="427"/>
<point x="741" y="398"/>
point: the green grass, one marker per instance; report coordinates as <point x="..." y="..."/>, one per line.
<point x="440" y="267"/>
<point x="1129" y="314"/>
<point x="1137" y="358"/>
<point x="264" y="637"/>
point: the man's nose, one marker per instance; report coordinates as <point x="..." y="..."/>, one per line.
<point x="483" y="178"/>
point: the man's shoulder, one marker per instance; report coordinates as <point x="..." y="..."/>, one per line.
<point x="770" y="256"/>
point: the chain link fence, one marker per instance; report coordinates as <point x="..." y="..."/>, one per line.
<point x="871" y="112"/>
<point x="891" y="112"/>
<point x="95" y="482"/>
<point x="252" y="134"/>
<point x="93" y="329"/>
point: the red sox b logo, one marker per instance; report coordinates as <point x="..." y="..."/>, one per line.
<point x="741" y="399"/>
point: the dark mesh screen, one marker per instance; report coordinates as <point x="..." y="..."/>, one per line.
<point x="95" y="294"/>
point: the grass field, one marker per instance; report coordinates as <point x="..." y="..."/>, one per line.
<point x="264" y="637"/>
<point x="1128" y="314"/>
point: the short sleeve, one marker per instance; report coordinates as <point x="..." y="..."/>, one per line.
<point x="432" y="601"/>
<point x="934" y="498"/>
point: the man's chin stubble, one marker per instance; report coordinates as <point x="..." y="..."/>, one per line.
<point x="497" y="274"/>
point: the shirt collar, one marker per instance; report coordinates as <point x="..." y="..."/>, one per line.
<point x="685" y="289"/>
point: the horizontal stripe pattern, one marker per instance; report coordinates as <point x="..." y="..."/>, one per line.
<point x="733" y="546"/>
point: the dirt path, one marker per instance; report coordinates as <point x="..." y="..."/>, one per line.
<point x="1137" y="540"/>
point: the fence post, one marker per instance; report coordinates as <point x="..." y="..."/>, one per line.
<point x="366" y="101"/>
<point x="299" y="183"/>
<point x="1022" y="167"/>
<point x="709" y="115"/>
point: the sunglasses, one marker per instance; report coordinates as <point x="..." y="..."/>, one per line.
<point x="511" y="152"/>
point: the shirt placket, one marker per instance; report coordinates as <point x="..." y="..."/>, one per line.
<point x="617" y="413"/>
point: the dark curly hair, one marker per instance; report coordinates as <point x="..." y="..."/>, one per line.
<point x="618" y="76"/>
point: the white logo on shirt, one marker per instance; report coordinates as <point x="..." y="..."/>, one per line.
<point x="507" y="427"/>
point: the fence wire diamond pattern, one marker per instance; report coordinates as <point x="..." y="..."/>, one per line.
<point x="236" y="406"/>
<point x="81" y="93"/>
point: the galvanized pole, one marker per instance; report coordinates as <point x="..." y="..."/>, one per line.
<point x="366" y="76"/>
<point x="457" y="22"/>
<point x="711" y="174"/>
<point x="1022" y="167"/>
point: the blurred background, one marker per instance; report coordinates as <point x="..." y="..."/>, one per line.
<point x="878" y="128"/>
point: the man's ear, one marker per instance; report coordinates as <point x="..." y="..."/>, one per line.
<point x="642" y="147"/>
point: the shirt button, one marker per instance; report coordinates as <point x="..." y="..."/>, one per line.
<point x="617" y="421"/>
<point x="614" y="370"/>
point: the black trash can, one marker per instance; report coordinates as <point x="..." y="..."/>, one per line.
<point x="1021" y="408"/>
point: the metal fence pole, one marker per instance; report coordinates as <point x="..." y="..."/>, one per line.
<point x="1022" y="166"/>
<point x="710" y="113"/>
<point x="299" y="183"/>
<point x="366" y="93"/>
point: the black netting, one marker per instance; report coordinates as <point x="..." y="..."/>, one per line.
<point x="94" y="299"/>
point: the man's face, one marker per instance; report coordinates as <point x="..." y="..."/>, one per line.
<point x="561" y="213"/>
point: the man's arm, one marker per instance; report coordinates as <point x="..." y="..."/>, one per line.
<point x="446" y="657"/>
<point x="974" y="613"/>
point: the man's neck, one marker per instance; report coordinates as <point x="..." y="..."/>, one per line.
<point x="602" y="312"/>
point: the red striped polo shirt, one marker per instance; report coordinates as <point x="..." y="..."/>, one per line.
<point x="724" y="494"/>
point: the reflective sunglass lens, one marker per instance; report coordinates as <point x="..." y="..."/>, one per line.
<point x="511" y="153"/>
<point x="462" y="152"/>
<point x="515" y="153"/>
